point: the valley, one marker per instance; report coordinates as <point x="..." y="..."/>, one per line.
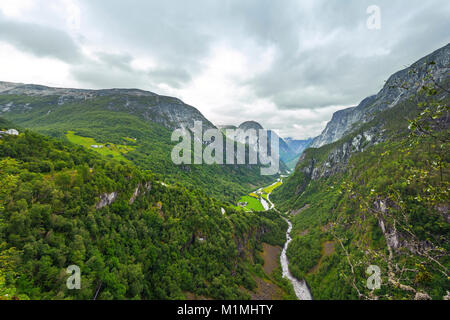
<point x="300" y="286"/>
<point x="147" y="241"/>
<point x="107" y="117"/>
<point x="88" y="180"/>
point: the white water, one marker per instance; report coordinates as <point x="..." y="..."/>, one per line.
<point x="300" y="287"/>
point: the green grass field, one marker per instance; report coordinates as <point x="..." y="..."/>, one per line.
<point x="115" y="151"/>
<point x="252" y="203"/>
<point x="252" y="199"/>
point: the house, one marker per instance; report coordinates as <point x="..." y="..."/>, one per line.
<point x="11" y="132"/>
<point x="97" y="146"/>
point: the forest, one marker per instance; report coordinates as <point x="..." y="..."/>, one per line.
<point x="154" y="241"/>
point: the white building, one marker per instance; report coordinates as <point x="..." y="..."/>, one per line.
<point x="11" y="132"/>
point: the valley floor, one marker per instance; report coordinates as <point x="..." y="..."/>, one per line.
<point x="273" y="255"/>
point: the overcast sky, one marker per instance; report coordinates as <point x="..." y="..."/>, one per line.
<point x="286" y="64"/>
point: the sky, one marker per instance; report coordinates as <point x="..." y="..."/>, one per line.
<point x="286" y="64"/>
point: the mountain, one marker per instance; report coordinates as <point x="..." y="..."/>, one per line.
<point x="392" y="94"/>
<point x="168" y="111"/>
<point x="132" y="236"/>
<point x="129" y="125"/>
<point x="286" y="153"/>
<point x="297" y="147"/>
<point x="373" y="193"/>
<point x="242" y="138"/>
<point x="250" y="125"/>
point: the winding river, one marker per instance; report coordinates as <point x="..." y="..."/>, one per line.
<point x="300" y="287"/>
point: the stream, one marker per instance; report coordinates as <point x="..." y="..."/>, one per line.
<point x="300" y="287"/>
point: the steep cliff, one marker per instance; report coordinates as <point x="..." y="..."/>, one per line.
<point x="394" y="92"/>
<point x="376" y="192"/>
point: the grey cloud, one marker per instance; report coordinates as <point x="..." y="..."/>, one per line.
<point x="115" y="70"/>
<point x="108" y="70"/>
<point x="347" y="67"/>
<point x="171" y="76"/>
<point x="325" y="54"/>
<point x="118" y="61"/>
<point x="169" y="31"/>
<point x="42" y="41"/>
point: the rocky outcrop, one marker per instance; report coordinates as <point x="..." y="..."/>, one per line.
<point x="140" y="189"/>
<point x="442" y="209"/>
<point x="393" y="238"/>
<point x="106" y="199"/>
<point x="422" y="296"/>
<point x="396" y="239"/>
<point x="340" y="124"/>
<point x="394" y="92"/>
<point x="338" y="157"/>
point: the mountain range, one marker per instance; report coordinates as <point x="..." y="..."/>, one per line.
<point x="290" y="149"/>
<point x="89" y="181"/>
<point x="133" y="125"/>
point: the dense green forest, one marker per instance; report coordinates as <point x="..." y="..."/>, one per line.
<point x="386" y="206"/>
<point x="151" y="241"/>
<point x="108" y="121"/>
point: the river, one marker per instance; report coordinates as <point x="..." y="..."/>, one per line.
<point x="300" y="287"/>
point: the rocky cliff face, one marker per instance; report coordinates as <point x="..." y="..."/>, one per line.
<point x="393" y="92"/>
<point x="168" y="111"/>
<point x="338" y="157"/>
<point x="106" y="199"/>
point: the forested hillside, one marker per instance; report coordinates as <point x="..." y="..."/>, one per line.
<point x="378" y="196"/>
<point x="136" y="126"/>
<point x="132" y="236"/>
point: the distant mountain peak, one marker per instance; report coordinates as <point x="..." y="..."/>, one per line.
<point x="250" y="125"/>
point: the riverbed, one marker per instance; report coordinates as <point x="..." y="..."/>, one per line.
<point x="300" y="287"/>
